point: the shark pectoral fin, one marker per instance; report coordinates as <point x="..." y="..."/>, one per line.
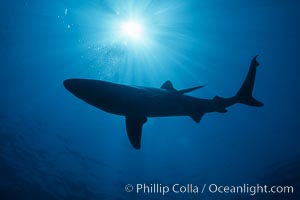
<point x="134" y="126"/>
<point x="197" y="117"/>
<point x="190" y="89"/>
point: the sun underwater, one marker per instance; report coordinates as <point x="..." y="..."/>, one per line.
<point x="139" y="42"/>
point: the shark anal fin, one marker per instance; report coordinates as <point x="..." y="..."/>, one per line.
<point x="219" y="106"/>
<point x="134" y="126"/>
<point x="197" y="117"/>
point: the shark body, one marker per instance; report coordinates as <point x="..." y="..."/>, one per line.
<point x="137" y="103"/>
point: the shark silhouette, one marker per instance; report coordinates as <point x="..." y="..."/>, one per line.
<point x="137" y="103"/>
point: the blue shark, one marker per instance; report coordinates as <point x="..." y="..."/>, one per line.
<point x="138" y="103"/>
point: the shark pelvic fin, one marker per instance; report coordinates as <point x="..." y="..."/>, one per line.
<point x="197" y="117"/>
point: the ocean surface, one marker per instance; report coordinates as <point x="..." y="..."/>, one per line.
<point x="55" y="146"/>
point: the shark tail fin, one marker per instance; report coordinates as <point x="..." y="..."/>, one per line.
<point x="244" y="95"/>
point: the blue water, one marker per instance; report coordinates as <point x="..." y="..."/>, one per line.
<point x="54" y="146"/>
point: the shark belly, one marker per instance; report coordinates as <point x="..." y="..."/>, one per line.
<point x="141" y="102"/>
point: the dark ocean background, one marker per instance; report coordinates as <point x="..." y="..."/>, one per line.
<point x="55" y="146"/>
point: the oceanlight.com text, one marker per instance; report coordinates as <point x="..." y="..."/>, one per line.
<point x="247" y="189"/>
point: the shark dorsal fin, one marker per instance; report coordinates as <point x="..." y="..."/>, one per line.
<point x="168" y="86"/>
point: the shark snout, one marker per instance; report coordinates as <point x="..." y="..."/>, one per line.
<point x="69" y="84"/>
<point x="79" y="87"/>
<point x="74" y="85"/>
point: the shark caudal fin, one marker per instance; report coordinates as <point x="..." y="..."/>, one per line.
<point x="244" y="95"/>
